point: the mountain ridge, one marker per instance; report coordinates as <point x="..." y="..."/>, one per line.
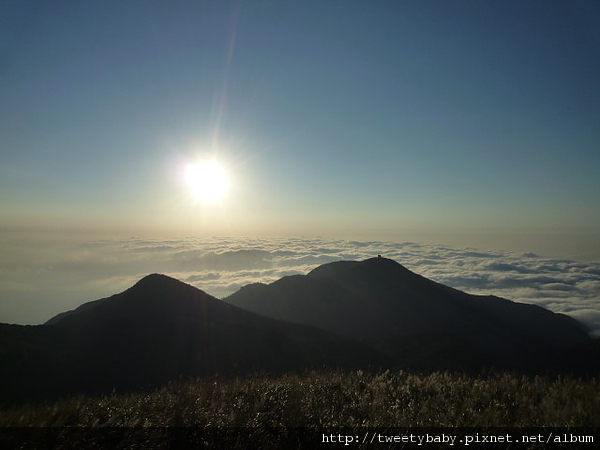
<point x="379" y="301"/>
<point x="157" y="331"/>
<point x="343" y="315"/>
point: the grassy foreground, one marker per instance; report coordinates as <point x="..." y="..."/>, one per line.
<point x="335" y="399"/>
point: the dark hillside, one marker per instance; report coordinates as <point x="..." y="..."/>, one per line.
<point x="419" y="322"/>
<point x="157" y="331"/>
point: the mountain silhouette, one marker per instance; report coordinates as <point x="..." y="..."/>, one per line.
<point x="157" y="331"/>
<point x="416" y="321"/>
<point x="348" y="315"/>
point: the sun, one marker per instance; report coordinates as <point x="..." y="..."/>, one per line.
<point x="208" y="181"/>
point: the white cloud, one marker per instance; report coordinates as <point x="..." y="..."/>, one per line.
<point x="42" y="278"/>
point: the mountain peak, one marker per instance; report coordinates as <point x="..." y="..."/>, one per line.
<point x="156" y="279"/>
<point x="153" y="294"/>
<point x="159" y="285"/>
<point x="377" y="265"/>
<point x="383" y="263"/>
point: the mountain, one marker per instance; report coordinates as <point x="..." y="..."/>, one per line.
<point x="157" y="331"/>
<point x="416" y="321"/>
<point x="347" y="314"/>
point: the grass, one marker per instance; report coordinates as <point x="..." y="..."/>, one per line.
<point x="335" y="399"/>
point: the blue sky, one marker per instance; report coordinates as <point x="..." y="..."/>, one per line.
<point x="384" y="118"/>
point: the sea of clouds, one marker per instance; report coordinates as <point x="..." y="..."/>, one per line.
<point x="40" y="278"/>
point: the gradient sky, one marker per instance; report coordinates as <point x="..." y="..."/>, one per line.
<point x="333" y="117"/>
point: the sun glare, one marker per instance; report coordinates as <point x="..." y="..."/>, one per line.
<point x="208" y="181"/>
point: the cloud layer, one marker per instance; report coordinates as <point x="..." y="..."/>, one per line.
<point x="40" y="278"/>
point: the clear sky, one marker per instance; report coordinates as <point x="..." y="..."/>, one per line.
<point x="330" y="117"/>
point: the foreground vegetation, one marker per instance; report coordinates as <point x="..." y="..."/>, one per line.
<point x="357" y="399"/>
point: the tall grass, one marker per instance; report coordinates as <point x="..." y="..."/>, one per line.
<point x="334" y="399"/>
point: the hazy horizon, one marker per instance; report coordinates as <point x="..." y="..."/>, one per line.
<point x="43" y="277"/>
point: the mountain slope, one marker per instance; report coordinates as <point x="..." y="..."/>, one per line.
<point x="157" y="331"/>
<point x="415" y="320"/>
